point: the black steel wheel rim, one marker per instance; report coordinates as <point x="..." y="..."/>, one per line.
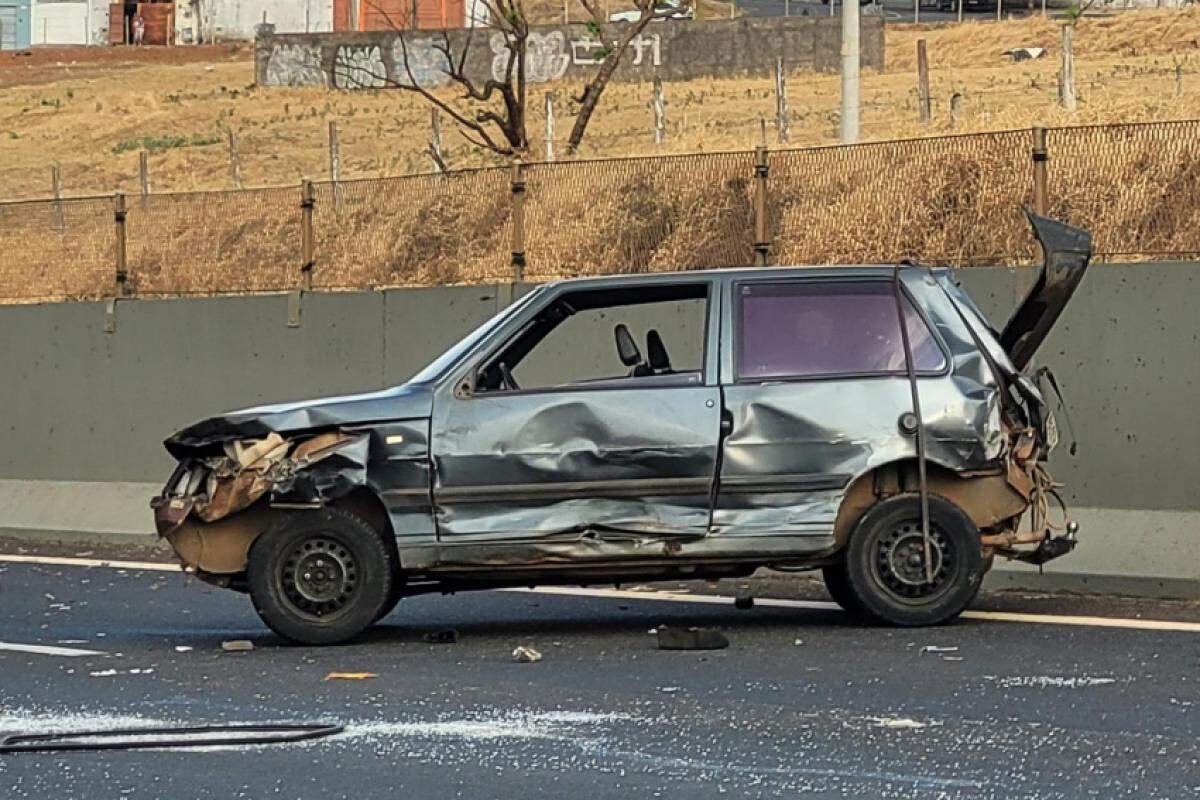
<point x="319" y="576"/>
<point x="898" y="562"/>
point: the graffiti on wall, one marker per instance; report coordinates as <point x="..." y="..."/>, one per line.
<point x="295" y="65"/>
<point x="426" y="64"/>
<point x="359" y="67"/>
<point x="547" y="56"/>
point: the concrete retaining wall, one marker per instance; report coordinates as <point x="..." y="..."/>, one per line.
<point x="673" y="50"/>
<point x="84" y="411"/>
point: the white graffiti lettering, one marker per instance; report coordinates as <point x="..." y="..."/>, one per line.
<point x="426" y="64"/>
<point x="654" y="42"/>
<point x="295" y="65"/>
<point x="359" y="67"/>
<point x="546" y="58"/>
<point x="589" y="52"/>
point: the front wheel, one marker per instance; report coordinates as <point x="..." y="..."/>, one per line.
<point x="320" y="577"/>
<point x="885" y="562"/>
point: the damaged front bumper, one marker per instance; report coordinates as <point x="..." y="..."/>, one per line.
<point x="215" y="504"/>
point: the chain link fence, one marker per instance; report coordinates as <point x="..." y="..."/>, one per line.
<point x="952" y="200"/>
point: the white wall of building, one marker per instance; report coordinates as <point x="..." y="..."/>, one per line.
<point x="236" y="19"/>
<point x="60" y="22"/>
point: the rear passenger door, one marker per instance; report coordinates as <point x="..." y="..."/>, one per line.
<point x="814" y="385"/>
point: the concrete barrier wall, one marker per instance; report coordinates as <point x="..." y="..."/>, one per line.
<point x="84" y="411"/>
<point x="671" y="50"/>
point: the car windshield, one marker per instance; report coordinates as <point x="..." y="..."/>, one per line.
<point x="436" y="368"/>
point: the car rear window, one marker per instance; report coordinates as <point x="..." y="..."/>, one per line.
<point x="809" y="329"/>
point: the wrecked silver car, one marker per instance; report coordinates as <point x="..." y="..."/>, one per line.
<point x="864" y="421"/>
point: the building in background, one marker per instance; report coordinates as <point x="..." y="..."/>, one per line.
<point x="14" y="24"/>
<point x="384" y="15"/>
<point x="209" y="21"/>
<point x="68" y="22"/>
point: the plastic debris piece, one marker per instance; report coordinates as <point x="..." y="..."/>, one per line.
<point x="350" y="676"/>
<point x="444" y="636"/>
<point x="691" y="639"/>
<point x="526" y="655"/>
<point x="237" y="645"/>
<point x="932" y="648"/>
<point x="183" y="648"/>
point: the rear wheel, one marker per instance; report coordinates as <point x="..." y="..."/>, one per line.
<point x="885" y="562"/>
<point x="320" y="577"/>
<point x="837" y="583"/>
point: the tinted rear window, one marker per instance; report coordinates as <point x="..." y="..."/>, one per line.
<point x="818" y="329"/>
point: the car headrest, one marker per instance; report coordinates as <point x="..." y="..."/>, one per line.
<point x="656" y="351"/>
<point x="627" y="348"/>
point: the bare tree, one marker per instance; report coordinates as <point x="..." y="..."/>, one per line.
<point x="590" y="97"/>
<point x="490" y="112"/>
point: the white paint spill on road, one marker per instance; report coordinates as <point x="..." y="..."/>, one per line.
<point x="1052" y="682"/>
<point x="49" y="650"/>
<point x="901" y="723"/>
<point x="680" y="597"/>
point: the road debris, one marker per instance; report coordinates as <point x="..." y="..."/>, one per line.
<point x="1050" y="682"/>
<point x="350" y="676"/>
<point x="444" y="636"/>
<point x="182" y="648"/>
<point x="237" y="645"/>
<point x="933" y="648"/>
<point x="1024" y="53"/>
<point x="691" y="639"/>
<point x="526" y="655"/>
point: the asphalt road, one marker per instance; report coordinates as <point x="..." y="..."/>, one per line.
<point x="803" y="703"/>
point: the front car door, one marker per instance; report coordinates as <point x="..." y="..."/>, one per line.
<point x="555" y="443"/>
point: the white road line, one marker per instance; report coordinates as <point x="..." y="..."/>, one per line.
<point x="677" y="597"/>
<point x="49" y="650"/>
<point x="89" y="562"/>
<point x="988" y="616"/>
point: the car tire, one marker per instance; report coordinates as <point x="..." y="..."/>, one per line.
<point x="320" y="577"/>
<point x="837" y="583"/>
<point x="885" y="562"/>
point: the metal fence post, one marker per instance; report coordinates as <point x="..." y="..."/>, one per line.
<point x="517" y="190"/>
<point x="307" y="259"/>
<point x="762" y="235"/>
<point x="1041" y="195"/>
<point x="122" y="267"/>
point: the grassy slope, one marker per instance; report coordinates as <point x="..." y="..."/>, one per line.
<point x="77" y="115"/>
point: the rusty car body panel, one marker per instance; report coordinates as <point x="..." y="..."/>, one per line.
<point x="709" y="472"/>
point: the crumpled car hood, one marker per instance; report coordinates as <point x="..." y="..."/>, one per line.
<point x="407" y="401"/>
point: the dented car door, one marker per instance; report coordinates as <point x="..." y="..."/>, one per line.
<point x="612" y="468"/>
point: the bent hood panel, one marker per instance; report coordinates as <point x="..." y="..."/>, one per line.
<point x="408" y="401"/>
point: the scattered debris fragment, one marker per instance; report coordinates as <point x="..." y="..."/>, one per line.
<point x="1024" y="53"/>
<point x="237" y="645"/>
<point x="690" y="639"/>
<point x="193" y="736"/>
<point x="932" y="648"/>
<point x="350" y="676"/>
<point x="182" y="648"/>
<point x="668" y="689"/>
<point x="103" y="673"/>
<point x="444" y="636"/>
<point x="901" y="723"/>
<point x="798" y="642"/>
<point x="526" y="655"/>
<point x="952" y="658"/>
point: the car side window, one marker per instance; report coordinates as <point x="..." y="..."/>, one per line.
<point x="812" y="329"/>
<point x="605" y="337"/>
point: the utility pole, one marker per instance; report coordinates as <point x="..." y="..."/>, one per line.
<point x="850" y="65"/>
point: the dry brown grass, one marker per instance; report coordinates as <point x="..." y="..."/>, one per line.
<point x="951" y="200"/>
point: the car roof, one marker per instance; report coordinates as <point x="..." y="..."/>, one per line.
<point x="813" y="271"/>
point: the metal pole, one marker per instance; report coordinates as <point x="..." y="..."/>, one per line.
<point x="1066" y="79"/>
<point x="56" y="191"/>
<point x="307" y="256"/>
<point x="235" y="165"/>
<point x="999" y="10"/>
<point x="920" y="432"/>
<point x="517" y="191"/>
<point x="144" y="175"/>
<point x="762" y="242"/>
<point x="122" y="266"/>
<point x="850" y="68"/>
<point x="1041" y="191"/>
<point x="923" y="97"/>
<point x="657" y="105"/>
<point x="781" y="107"/>
<point x="960" y="9"/>
<point x="549" y="126"/>
<point x="916" y="12"/>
